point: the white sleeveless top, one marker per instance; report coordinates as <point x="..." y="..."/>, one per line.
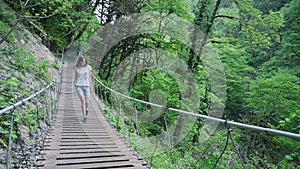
<point x="83" y="78"/>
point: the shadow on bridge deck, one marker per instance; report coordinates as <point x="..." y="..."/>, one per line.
<point x="92" y="144"/>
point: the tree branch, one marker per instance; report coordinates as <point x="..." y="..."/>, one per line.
<point x="218" y="42"/>
<point x="225" y="16"/>
<point x="39" y="29"/>
<point x="40" y="17"/>
<point x="9" y="32"/>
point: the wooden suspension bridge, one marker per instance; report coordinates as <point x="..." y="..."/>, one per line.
<point x="92" y="144"/>
<point x="72" y="143"/>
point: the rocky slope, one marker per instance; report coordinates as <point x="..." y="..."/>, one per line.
<point x="26" y="66"/>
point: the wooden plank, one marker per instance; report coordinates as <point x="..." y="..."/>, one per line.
<point x="98" y="140"/>
<point x="114" y="165"/>
<point x="96" y="154"/>
<point x="89" y="159"/>
<point x="88" y="147"/>
<point x="87" y="151"/>
<point x="84" y="134"/>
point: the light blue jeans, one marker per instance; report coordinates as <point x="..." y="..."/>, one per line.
<point x="83" y="91"/>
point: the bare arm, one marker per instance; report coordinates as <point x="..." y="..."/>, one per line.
<point x="91" y="81"/>
<point x="75" y="74"/>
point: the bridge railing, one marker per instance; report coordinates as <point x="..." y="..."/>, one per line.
<point x="46" y="99"/>
<point x="106" y="94"/>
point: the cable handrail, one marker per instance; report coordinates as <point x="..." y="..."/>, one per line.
<point x="2" y="111"/>
<point x="225" y="122"/>
<point x="53" y="89"/>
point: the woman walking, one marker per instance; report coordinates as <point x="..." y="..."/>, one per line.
<point x="82" y="82"/>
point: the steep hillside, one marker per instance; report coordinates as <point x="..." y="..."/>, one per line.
<point x="26" y="66"/>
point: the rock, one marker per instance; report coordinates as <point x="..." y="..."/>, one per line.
<point x="25" y="134"/>
<point x="2" y="157"/>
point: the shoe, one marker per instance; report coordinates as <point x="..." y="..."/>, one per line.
<point x="84" y="119"/>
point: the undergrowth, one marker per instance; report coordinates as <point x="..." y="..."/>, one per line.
<point x="22" y="74"/>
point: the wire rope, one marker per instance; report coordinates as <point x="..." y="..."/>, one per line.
<point x="210" y="118"/>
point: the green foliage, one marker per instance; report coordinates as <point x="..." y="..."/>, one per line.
<point x="237" y="70"/>
<point x="259" y="32"/>
<point x="156" y="79"/>
<point x="19" y="67"/>
<point x="4" y="28"/>
<point x="180" y="8"/>
<point x="290" y="149"/>
<point x="257" y="41"/>
<point x="225" y="28"/>
<point x="24" y="61"/>
<point x="291" y="122"/>
<point x="43" y="70"/>
<point x="269" y="101"/>
<point x="267" y="5"/>
<point x="287" y="150"/>
<point x="28" y="117"/>
<point x="8" y="91"/>
<point x="93" y="27"/>
<point x="59" y="21"/>
<point x="7" y="16"/>
<point x="261" y="87"/>
<point x="273" y="97"/>
<point x="4" y="129"/>
<point x="113" y="120"/>
<point x="289" y="55"/>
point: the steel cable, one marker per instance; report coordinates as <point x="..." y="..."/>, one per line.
<point x="169" y="136"/>
<point x="210" y="118"/>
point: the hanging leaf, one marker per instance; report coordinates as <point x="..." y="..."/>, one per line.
<point x="3" y="131"/>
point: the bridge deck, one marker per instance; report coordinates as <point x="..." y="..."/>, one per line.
<point x="92" y="144"/>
